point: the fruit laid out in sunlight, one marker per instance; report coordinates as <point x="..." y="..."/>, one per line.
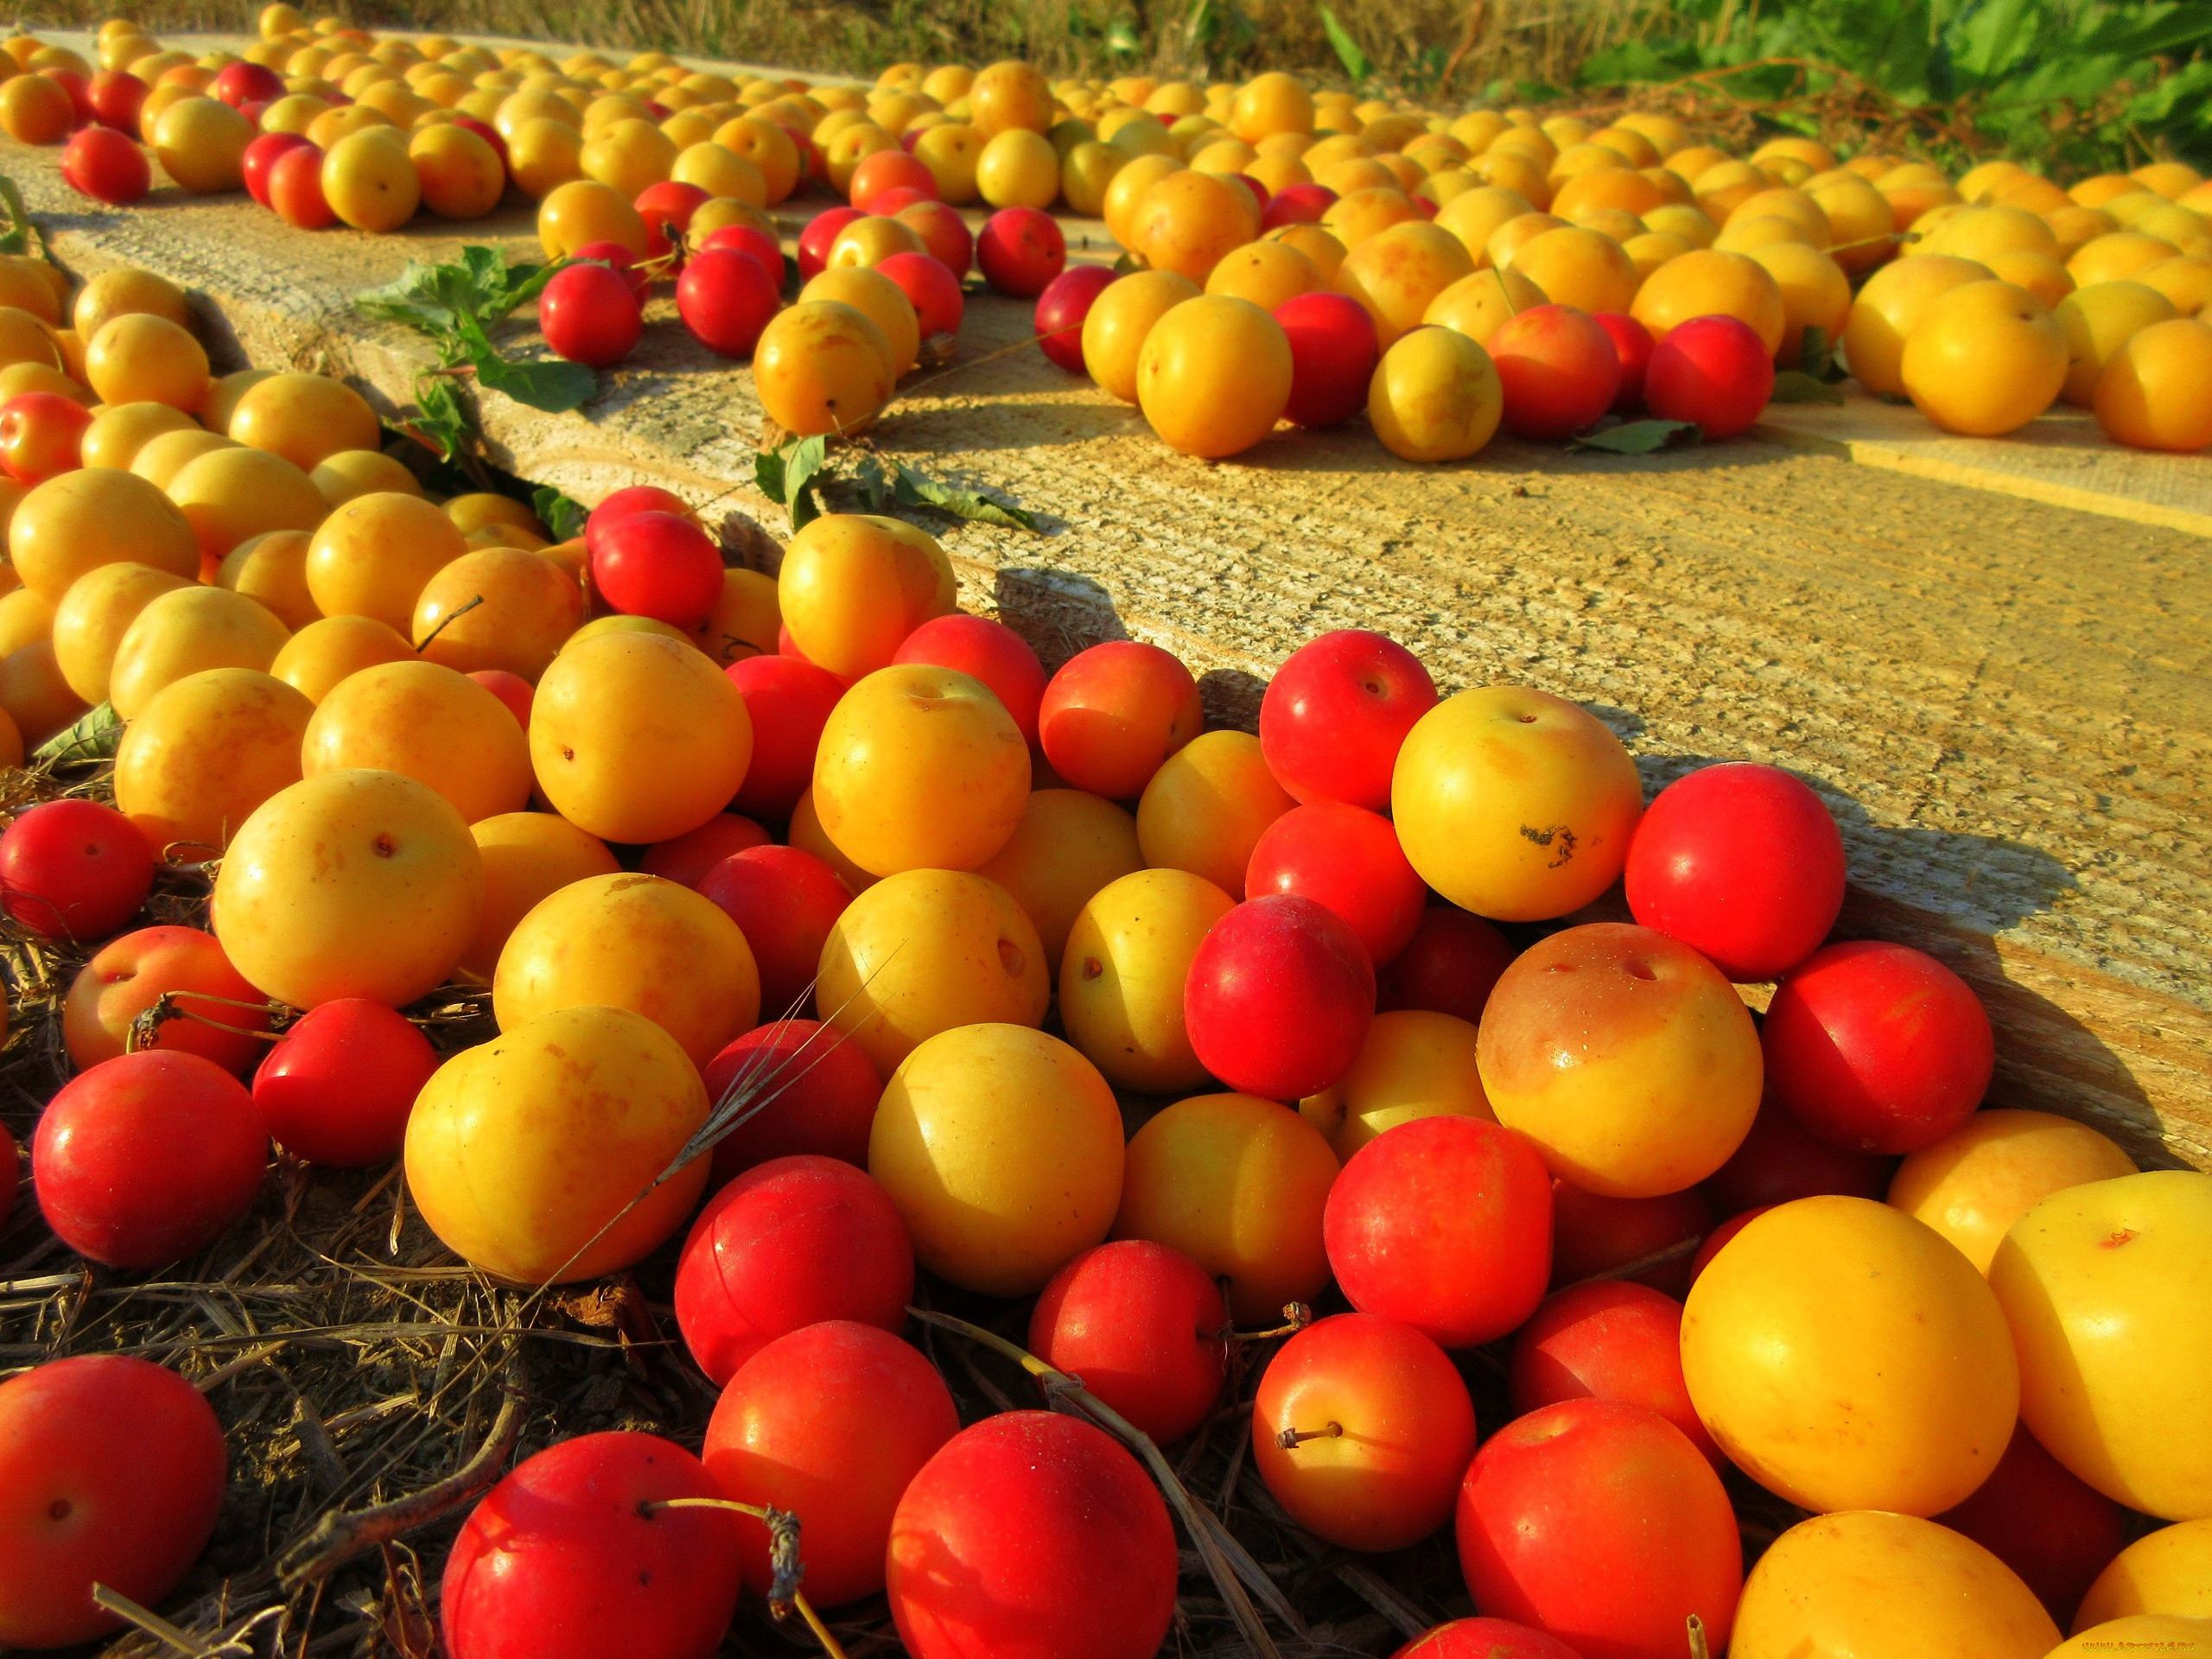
<point x="833" y="1012"/>
<point x="1446" y="268"/>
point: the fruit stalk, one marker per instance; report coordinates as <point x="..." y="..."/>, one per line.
<point x="784" y="1592"/>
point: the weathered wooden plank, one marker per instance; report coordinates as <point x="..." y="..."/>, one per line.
<point x="2006" y="701"/>
<point x="2062" y="457"/>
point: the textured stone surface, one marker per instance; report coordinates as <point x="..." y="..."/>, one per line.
<point x="2006" y="701"/>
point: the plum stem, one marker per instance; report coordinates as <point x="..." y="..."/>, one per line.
<point x="1289" y="1438"/>
<point x="1214" y="1541"/>
<point x="164" y="1008"/>
<point x="1297" y="1314"/>
<point x="783" y="1593"/>
<point x="1698" y="1647"/>
<point x="446" y="620"/>
<point x="1675" y="1252"/>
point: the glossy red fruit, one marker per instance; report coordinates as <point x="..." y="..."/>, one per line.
<point x="1020" y="251"/>
<point x="115" y="96"/>
<point x="789" y="700"/>
<point x="784" y="900"/>
<point x="1780" y="1159"/>
<point x="106" y="166"/>
<point x="688" y="857"/>
<point x="146" y="1158"/>
<point x="659" y="565"/>
<point x="1716" y="372"/>
<point x="589" y="315"/>
<point x="1387" y="1429"/>
<point x="897" y="199"/>
<point x="1278" y="998"/>
<point x="74" y="869"/>
<point x="933" y="290"/>
<point x="627" y="503"/>
<point x="490" y="135"/>
<point x="1333" y="351"/>
<point x="1606" y="1341"/>
<point x="132" y="974"/>
<point x="817" y="1093"/>
<point x="1593" y="1234"/>
<point x="1032" y="1535"/>
<point x="566" y="1558"/>
<point x="295" y="190"/>
<point x="510" y="689"/>
<point x="1061" y="308"/>
<point x="42" y="433"/>
<point x="1558" y="371"/>
<point x="1444" y="1224"/>
<point x="1743" y="863"/>
<point x="622" y="261"/>
<point x="1632" y="341"/>
<point x="667" y="207"/>
<point x="986" y="651"/>
<point x="112" y="1471"/>
<point x="1873" y="1047"/>
<point x="1334" y="716"/>
<point x="754" y="243"/>
<point x="1114" y="713"/>
<point x="2052" y="1528"/>
<point x="814" y="241"/>
<point x="260" y="156"/>
<point x="243" y="83"/>
<point x="1349" y="859"/>
<point x="945" y="234"/>
<point x="1484" y="1638"/>
<point x="338" y="1090"/>
<point x="1146" y="1329"/>
<point x="1449" y="966"/>
<point x="1252" y="187"/>
<point x="1297" y="204"/>
<point x="794" y="1242"/>
<point x="726" y="299"/>
<point x="1599" y="1523"/>
<point x="889" y="169"/>
<point x="831" y="1423"/>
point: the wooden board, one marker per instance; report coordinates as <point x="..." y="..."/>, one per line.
<point x="2005" y="702"/>
<point x="2062" y="458"/>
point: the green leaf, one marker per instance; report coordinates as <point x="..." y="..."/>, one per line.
<point x="440" y="418"/>
<point x="549" y="384"/>
<point x="94" y="738"/>
<point x="546" y="383"/>
<point x="558" y="513"/>
<point x="1642" y="437"/>
<point x="792" y="474"/>
<point x="1349" y="51"/>
<point x="913" y="489"/>
<point x="520" y="285"/>
<point x="875" y="488"/>
<point x="1795" y="386"/>
<point x="20" y="233"/>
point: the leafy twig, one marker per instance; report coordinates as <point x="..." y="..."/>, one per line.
<point x="455" y="306"/>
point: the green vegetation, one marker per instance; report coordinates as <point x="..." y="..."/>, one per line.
<point x="2073" y="85"/>
<point x="2079" y="85"/>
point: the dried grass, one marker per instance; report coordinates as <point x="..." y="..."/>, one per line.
<point x="355" y="1363"/>
<point x="1405" y="40"/>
